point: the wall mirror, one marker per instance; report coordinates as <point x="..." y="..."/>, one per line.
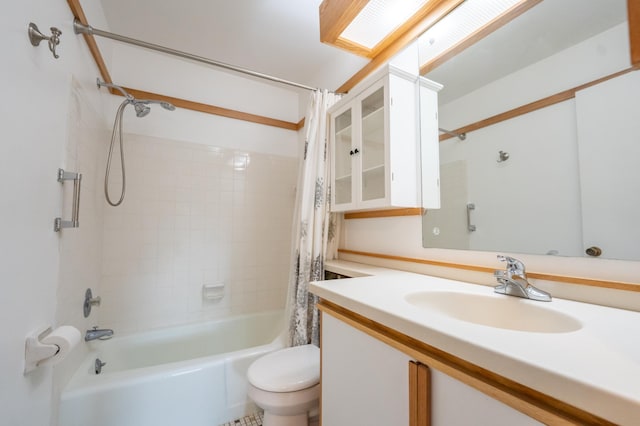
<point x="560" y="180"/>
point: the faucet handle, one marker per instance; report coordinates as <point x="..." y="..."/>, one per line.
<point x="514" y="266"/>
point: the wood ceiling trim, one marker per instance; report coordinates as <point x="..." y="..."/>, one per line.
<point x="425" y="12"/>
<point x="78" y="12"/>
<point x="352" y="47"/>
<point x="336" y="15"/>
<point x="439" y="10"/>
<point x="633" y="14"/>
<point x="211" y="109"/>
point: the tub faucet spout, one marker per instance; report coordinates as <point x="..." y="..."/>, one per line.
<point x="98" y="333"/>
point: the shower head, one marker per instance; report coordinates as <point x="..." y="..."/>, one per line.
<point x="141" y="105"/>
<point x="142" y="110"/>
<point x="167" y="106"/>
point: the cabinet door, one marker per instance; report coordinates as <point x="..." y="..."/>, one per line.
<point x="364" y="381"/>
<point x="372" y="157"/>
<point x="454" y="403"/>
<point x="343" y="152"/>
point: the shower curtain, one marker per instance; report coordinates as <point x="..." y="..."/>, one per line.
<point x="314" y="227"/>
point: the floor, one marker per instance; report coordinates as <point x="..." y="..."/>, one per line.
<point x="256" y="420"/>
<point x="250" y="420"/>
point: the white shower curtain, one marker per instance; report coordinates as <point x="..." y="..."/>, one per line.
<point x="314" y="228"/>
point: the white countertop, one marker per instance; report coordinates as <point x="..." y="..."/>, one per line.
<point x="596" y="368"/>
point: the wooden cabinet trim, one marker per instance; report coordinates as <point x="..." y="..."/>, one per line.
<point x="535" y="404"/>
<point x="409" y="211"/>
<point x="413" y="393"/>
<point x="419" y="394"/>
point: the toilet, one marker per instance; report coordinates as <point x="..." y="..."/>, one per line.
<point x="286" y="385"/>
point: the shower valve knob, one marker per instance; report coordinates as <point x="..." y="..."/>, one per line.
<point x="89" y="302"/>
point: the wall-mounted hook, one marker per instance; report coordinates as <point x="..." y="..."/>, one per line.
<point x="35" y="36"/>
<point x="502" y="156"/>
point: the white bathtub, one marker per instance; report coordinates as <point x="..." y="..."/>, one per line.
<point x="190" y="375"/>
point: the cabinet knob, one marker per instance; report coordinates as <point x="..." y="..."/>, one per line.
<point x="354" y="151"/>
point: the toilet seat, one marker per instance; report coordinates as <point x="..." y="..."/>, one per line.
<point x="286" y="370"/>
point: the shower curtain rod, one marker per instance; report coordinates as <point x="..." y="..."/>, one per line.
<point x="80" y="28"/>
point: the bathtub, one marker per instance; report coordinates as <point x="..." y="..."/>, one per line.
<point x="189" y="375"/>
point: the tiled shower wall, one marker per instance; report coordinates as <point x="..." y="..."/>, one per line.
<point x="195" y="215"/>
<point x="80" y="249"/>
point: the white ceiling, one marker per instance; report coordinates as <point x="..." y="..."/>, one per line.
<point x="281" y="37"/>
<point x="276" y="37"/>
<point x="547" y="28"/>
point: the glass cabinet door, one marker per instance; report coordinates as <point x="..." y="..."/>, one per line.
<point x="372" y="149"/>
<point x="343" y="167"/>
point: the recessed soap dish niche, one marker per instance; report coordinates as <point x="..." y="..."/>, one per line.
<point x="213" y="292"/>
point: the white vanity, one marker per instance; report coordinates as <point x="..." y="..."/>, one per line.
<point x="400" y="348"/>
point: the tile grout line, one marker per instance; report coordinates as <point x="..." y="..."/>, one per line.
<point x="250" y="420"/>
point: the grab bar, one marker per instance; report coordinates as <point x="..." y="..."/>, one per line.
<point x="470" y="227"/>
<point x="58" y="223"/>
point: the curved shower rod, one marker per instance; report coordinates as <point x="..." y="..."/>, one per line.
<point x="80" y="28"/>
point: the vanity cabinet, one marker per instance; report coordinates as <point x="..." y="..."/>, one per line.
<point x="366" y="381"/>
<point x="375" y="142"/>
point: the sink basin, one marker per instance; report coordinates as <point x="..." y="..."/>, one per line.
<point x="506" y="312"/>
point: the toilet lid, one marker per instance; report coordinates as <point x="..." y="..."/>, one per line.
<point x="286" y="370"/>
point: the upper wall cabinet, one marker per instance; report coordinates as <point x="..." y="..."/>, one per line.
<point x="375" y="139"/>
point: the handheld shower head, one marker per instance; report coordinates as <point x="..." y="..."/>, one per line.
<point x="142" y="109"/>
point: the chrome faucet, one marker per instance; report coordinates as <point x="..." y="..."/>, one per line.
<point x="513" y="281"/>
<point x="98" y="333"/>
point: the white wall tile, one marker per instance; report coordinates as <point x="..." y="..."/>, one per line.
<point x="194" y="220"/>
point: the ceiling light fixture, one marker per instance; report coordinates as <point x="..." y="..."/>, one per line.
<point x="368" y="27"/>
<point x="379" y="18"/>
